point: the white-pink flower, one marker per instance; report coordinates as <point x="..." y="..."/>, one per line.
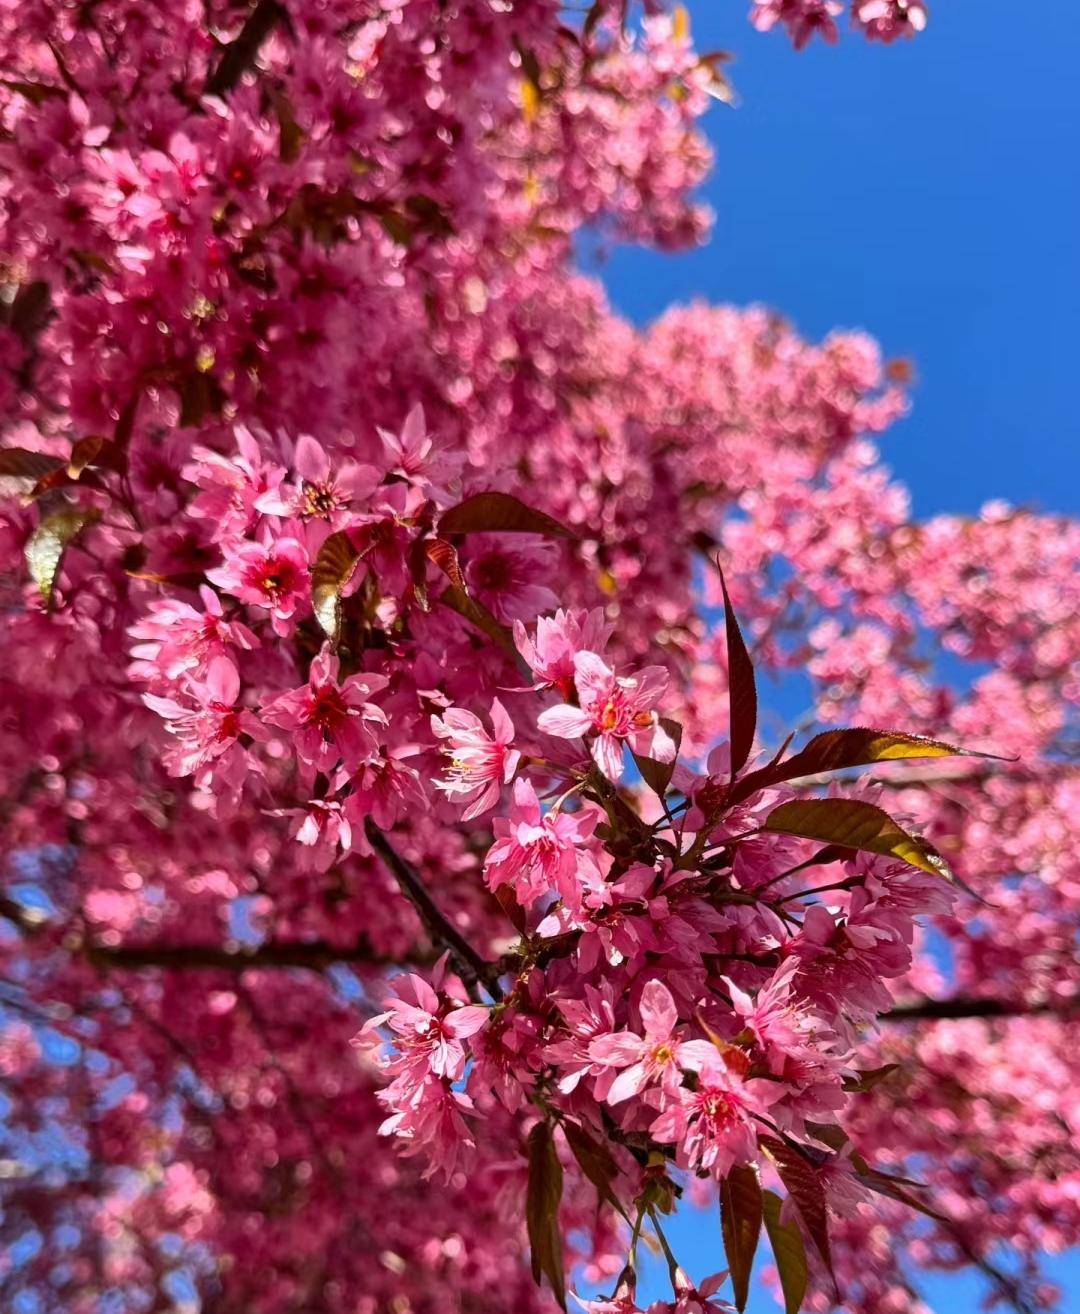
<point x="658" y="1057"/>
<point x="480" y="763"/>
<point x="557" y="640"/>
<point x="614" y="710"/>
<point x="540" y="853"/>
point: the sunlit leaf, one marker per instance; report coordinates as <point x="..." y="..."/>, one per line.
<point x="21" y="470"/>
<point x="331" y="574"/>
<point x="788" y="1252"/>
<point x="740" y="1224"/>
<point x="853" y="824"/>
<point x="444" y="555"/>
<point x="839" y="750"/>
<point x="46" y="545"/>
<point x="499" y="513"/>
<point x="542" y="1200"/>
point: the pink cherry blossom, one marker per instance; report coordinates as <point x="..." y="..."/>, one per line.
<point x="556" y="642"/>
<point x="538" y="853"/>
<point x="614" y="711"/>
<point x="333" y="721"/>
<point x="269" y="575"/>
<point x="480" y="763"/>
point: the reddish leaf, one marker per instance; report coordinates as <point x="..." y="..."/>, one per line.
<point x="788" y="1251"/>
<point x="445" y="556"/>
<point x="595" y="1160"/>
<point x="657" y="775"/>
<point x="499" y="513"/>
<point x="742" y="687"/>
<point x="867" y="1079"/>
<point x="477" y="614"/>
<point x="542" y="1202"/>
<point x="21" y="470"/>
<point x="30" y="310"/>
<point x="740" y="1224"/>
<point x="804" y="1185"/>
<point x="332" y="572"/>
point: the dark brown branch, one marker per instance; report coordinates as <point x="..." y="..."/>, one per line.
<point x="469" y="965"/>
<point x="961" y="1006"/>
<point x="314" y="954"/>
<point x="241" y="54"/>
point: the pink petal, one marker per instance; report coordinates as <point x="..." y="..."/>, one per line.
<point x="658" y="1011"/>
<point x="311" y="462"/>
<point x="564" y="721"/>
<point x="223" y="681"/>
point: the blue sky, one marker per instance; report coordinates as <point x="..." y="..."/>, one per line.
<point x="930" y="194"/>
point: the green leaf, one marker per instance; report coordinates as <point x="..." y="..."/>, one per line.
<point x="657" y="775"/>
<point x="788" y="1251"/>
<point x="46" y="545"/>
<point x="331" y="574"/>
<point x="853" y="824"/>
<point x="595" y="1160"/>
<point x="742" y="687"/>
<point x="803" y="1182"/>
<point x="740" y="1224"/>
<point x="542" y="1202"/>
<point x="499" y="513"/>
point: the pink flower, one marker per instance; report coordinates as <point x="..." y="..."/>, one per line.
<point x="694" y="1299"/>
<point x="656" y="1058"/>
<point x="209" y="727"/>
<point x="480" y="763"/>
<point x="558" y="639"/>
<point x="177" y="637"/>
<point x="885" y="20"/>
<point x="271" y="575"/>
<point x="617" y="710"/>
<point x="505" y="572"/>
<point x="540" y="854"/>
<point x="330" y="490"/>
<point x="332" y="722"/>
<point x="802" y="18"/>
<point x="428" y="1033"/>
<point x="712" y="1125"/>
<point x="232" y="486"/>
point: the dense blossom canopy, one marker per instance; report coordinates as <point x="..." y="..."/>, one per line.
<point x="399" y="877"/>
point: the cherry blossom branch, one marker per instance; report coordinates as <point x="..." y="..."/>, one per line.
<point x="469" y="964"/>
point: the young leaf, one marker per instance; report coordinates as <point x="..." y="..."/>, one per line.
<point x="542" y="1202"/>
<point x="444" y="555"/>
<point x="742" y="688"/>
<point x="46" y="545"/>
<point x="853" y="824"/>
<point x="867" y="1079"/>
<point x="476" y="613"/>
<point x="499" y="513"/>
<point x="657" y="775"/>
<point x="788" y="1251"/>
<point x="804" y="1185"/>
<point x="334" y="567"/>
<point x="740" y="1225"/>
<point x="21" y="471"/>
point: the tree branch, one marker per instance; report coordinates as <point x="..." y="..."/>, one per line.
<point x="241" y="53"/>
<point x="314" y="954"/>
<point x="962" y="1006"/>
<point x="470" y="966"/>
